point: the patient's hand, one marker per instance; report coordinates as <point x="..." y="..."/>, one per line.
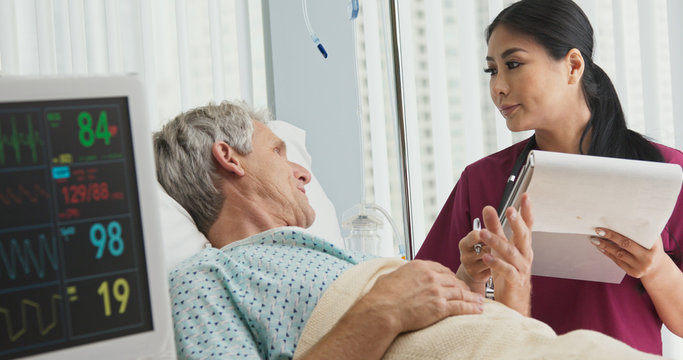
<point x="412" y="297"/>
<point x="510" y="259"/>
<point x="421" y="293"/>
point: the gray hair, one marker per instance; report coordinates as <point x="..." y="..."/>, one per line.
<point x="184" y="162"/>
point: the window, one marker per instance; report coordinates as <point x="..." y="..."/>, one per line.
<point x="449" y="114"/>
<point x="186" y="53"/>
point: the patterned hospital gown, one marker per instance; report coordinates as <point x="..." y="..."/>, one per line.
<point x="251" y="299"/>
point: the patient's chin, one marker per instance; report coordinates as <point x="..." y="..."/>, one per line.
<point x="310" y="217"/>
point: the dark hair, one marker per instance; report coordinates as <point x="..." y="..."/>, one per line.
<point x="559" y="26"/>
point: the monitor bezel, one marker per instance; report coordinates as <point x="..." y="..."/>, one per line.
<point x="159" y="340"/>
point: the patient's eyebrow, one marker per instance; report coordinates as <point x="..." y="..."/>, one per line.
<point x="281" y="144"/>
<point x="507" y="53"/>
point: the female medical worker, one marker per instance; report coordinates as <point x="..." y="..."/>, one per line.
<point x="543" y="78"/>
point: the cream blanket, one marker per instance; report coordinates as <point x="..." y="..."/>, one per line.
<point x="498" y="333"/>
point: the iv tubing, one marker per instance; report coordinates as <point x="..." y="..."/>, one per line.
<point x="394" y="229"/>
<point x="314" y="37"/>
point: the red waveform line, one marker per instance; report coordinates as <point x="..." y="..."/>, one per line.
<point x="19" y="194"/>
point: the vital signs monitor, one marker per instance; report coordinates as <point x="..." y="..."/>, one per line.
<point x="80" y="270"/>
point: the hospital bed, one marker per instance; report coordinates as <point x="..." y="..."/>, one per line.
<point x="97" y="281"/>
<point x="502" y="334"/>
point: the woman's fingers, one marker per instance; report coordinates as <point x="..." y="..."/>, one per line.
<point x="506" y="251"/>
<point x="510" y="257"/>
<point x="525" y="210"/>
<point x="636" y="260"/>
<point x="619" y="261"/>
<point x="467" y="243"/>
<point x="474" y="266"/>
<point x="611" y="249"/>
<point x="509" y="272"/>
<point x="491" y="220"/>
<point x="621" y="242"/>
<point x="521" y="234"/>
<point x="478" y="271"/>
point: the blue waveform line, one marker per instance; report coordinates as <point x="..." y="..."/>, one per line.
<point x="27" y="257"/>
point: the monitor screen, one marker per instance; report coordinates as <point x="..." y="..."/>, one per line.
<point x="74" y="263"/>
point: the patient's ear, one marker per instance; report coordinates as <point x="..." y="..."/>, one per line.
<point x="227" y="158"/>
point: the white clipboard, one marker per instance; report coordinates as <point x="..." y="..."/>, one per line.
<point x="573" y="194"/>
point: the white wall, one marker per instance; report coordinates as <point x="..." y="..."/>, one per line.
<point x="316" y="94"/>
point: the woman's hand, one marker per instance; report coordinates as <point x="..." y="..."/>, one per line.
<point x="473" y="271"/>
<point x="660" y="276"/>
<point x="636" y="260"/>
<point x="510" y="259"/>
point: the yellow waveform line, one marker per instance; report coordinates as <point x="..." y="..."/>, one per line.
<point x="24" y="304"/>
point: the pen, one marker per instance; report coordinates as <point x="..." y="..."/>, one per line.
<point x="476" y="225"/>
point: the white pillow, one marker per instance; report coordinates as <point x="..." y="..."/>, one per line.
<point x="182" y="239"/>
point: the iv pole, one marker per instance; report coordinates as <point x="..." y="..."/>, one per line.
<point x="402" y="129"/>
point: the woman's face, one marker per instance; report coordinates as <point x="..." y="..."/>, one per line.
<point x="528" y="87"/>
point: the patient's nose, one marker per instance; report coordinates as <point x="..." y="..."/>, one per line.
<point x="300" y="172"/>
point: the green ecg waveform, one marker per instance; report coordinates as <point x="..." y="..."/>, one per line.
<point x="16" y="139"/>
<point x="42" y="327"/>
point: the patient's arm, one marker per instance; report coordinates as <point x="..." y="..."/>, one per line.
<point x="415" y="296"/>
<point x="510" y="259"/>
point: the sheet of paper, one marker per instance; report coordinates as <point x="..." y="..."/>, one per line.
<point x="572" y="256"/>
<point x="577" y="193"/>
<point x="574" y="194"/>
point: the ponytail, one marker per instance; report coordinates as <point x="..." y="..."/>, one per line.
<point x="610" y="136"/>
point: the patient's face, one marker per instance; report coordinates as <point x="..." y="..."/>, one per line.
<point x="276" y="181"/>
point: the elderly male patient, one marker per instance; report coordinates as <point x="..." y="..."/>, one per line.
<point x="251" y="294"/>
